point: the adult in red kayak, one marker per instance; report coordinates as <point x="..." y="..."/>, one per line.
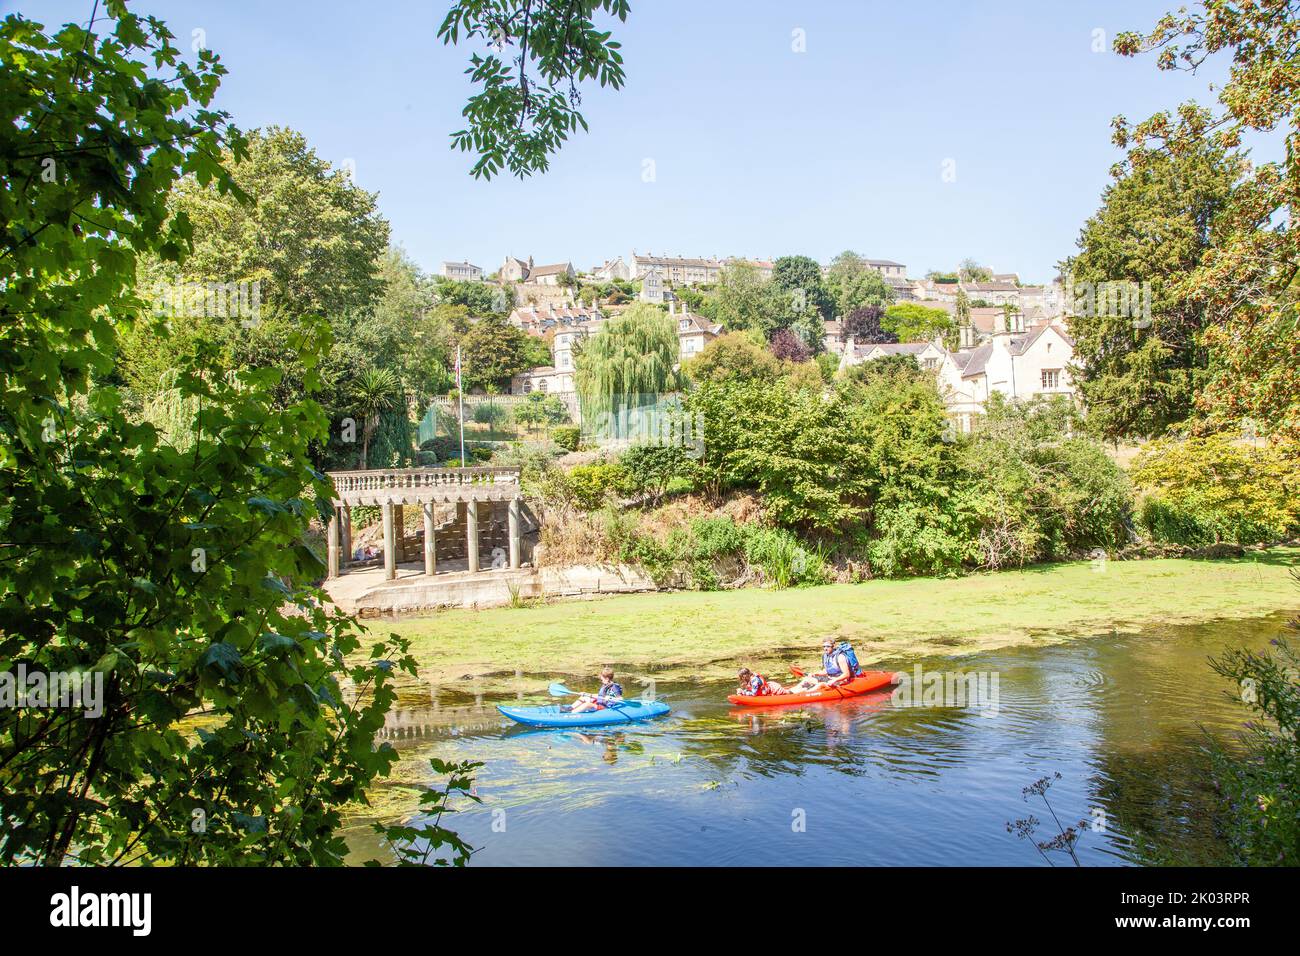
<point x="839" y="666"/>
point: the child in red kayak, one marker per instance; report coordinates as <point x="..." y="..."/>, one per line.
<point x="609" y="692"/>
<point x="756" y="685"/>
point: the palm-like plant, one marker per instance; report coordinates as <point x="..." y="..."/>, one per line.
<point x="376" y="391"/>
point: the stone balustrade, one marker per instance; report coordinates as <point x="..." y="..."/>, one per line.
<point x="417" y="485"/>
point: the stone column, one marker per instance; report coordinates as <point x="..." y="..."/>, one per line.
<point x="514" y="532"/>
<point x="430" y="556"/>
<point x="346" y="543"/>
<point x="471" y="534"/>
<point x="399" y="524"/>
<point x="390" y="543"/>
<point x="332" y="536"/>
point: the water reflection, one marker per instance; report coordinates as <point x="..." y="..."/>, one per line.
<point x="1120" y="716"/>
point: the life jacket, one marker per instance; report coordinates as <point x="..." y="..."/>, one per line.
<point x="758" y="686"/>
<point x="829" y="660"/>
<point x="611" y="690"/>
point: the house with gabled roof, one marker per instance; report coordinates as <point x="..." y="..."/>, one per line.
<point x="1022" y="363"/>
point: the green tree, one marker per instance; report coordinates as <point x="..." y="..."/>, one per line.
<point x="1204" y="490"/>
<point x="313" y="238"/>
<point x="744" y="300"/>
<point x="493" y="350"/>
<point x="527" y="107"/>
<point x="913" y="322"/>
<point x="786" y="442"/>
<point x="630" y="361"/>
<point x="377" y="390"/>
<point x="1140" y="372"/>
<point x="971" y="271"/>
<point x="478" y="298"/>
<point x="181" y="580"/>
<point x="404" y="331"/>
<point x="962" y="315"/>
<point x="733" y="355"/>
<point x="805" y="303"/>
<point x="1247" y="279"/>
<point x="313" y="244"/>
<point x="852" y="284"/>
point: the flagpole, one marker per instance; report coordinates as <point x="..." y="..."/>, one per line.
<point x="460" y="398"/>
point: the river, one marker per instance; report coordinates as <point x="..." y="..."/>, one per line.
<point x="1122" y="717"/>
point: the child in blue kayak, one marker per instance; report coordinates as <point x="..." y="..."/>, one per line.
<point x="609" y="692"/>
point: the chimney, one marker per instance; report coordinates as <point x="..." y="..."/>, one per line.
<point x="1000" y="323"/>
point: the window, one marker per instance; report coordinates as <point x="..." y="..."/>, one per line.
<point x="1051" y="378"/>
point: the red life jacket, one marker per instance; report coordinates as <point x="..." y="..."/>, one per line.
<point x="758" y="686"/>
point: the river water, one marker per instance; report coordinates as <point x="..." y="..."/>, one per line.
<point x="1122" y="717"/>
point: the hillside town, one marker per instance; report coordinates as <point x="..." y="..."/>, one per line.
<point x="1010" y="337"/>
<point x="735" y="547"/>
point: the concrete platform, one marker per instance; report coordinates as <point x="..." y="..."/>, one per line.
<point x="366" y="593"/>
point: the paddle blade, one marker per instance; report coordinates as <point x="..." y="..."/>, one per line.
<point x="796" y="671"/>
<point x="559" y="690"/>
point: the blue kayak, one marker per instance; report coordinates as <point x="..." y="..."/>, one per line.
<point x="629" y="711"/>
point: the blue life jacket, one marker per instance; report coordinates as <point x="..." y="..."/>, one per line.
<point x="611" y="690"/>
<point x="829" y="660"/>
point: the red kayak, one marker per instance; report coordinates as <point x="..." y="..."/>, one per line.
<point x="864" y="683"/>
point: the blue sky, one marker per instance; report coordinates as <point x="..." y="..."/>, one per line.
<point x="758" y="150"/>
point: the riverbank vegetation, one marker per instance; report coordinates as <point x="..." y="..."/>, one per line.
<point x="1260" y="779"/>
<point x="861" y="476"/>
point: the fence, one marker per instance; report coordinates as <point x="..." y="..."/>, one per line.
<point x="496" y="419"/>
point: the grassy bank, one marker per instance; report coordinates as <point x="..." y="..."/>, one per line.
<point x="707" y="632"/>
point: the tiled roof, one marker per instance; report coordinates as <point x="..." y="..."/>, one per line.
<point x="989" y="287"/>
<point x="697" y="323"/>
<point x="890" y="348"/>
<point x="979" y="358"/>
<point x="674" y="261"/>
<point x="549" y="270"/>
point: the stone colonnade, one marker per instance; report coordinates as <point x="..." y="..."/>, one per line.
<point x="392" y="489"/>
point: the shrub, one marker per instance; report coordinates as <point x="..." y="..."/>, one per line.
<point x="1261" y="808"/>
<point x="593" y="486"/>
<point x="652" y="468"/>
<point x="1038" y="490"/>
<point x="567" y="436"/>
<point x="782" y="559"/>
<point x="790" y="444"/>
<point x="1208" y="490"/>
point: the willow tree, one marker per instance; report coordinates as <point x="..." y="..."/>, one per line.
<point x="628" y="365"/>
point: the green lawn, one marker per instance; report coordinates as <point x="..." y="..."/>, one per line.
<point x="894" y="621"/>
